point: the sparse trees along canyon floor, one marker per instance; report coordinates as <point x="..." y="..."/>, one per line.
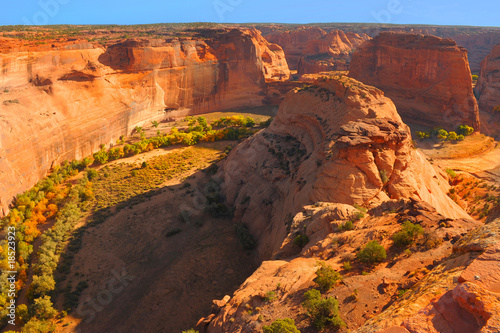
<point x="250" y="178"/>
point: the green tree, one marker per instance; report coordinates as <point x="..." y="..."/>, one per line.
<point x="465" y="130"/>
<point x="42" y="308"/>
<point x="452" y="136"/>
<point x="408" y="234"/>
<point x="372" y="252"/>
<point x="41" y="285"/>
<point x="202" y="121"/>
<point x="323" y="312"/>
<point x="286" y="325"/>
<point x="326" y="277"/>
<point x="155" y="124"/>
<point x="442" y="134"/>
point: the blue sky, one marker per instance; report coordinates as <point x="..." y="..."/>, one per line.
<point x="444" y="12"/>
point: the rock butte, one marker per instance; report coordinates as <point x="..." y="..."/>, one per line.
<point x="428" y="78"/>
<point x="478" y="41"/>
<point x="337" y="140"/>
<point x="61" y="102"/>
<point x="488" y="85"/>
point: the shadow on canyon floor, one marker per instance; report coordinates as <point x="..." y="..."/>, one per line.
<point x="149" y="267"/>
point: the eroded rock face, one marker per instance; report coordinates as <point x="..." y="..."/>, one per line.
<point x="428" y="78"/>
<point x="336" y="141"/>
<point x="61" y="102"/>
<point x="460" y="295"/>
<point x="313" y="50"/>
<point x="276" y="289"/>
<point x="330" y="52"/>
<point x="488" y="85"/>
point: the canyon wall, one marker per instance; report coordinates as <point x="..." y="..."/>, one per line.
<point x="61" y="101"/>
<point x="334" y="141"/>
<point x="488" y="85"/>
<point x="477" y="40"/>
<point x="313" y="50"/>
<point x="428" y="78"/>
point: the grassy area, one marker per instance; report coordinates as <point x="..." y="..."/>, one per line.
<point x="120" y="182"/>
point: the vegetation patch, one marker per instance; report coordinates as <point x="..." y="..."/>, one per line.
<point x="324" y="312"/>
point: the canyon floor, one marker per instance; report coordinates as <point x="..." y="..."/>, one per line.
<point x="176" y="267"/>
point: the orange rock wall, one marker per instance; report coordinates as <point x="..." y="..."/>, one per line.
<point x="61" y="102"/>
<point x="488" y="85"/>
<point x="428" y="78"/>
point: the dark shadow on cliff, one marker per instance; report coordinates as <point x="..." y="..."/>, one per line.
<point x="154" y="262"/>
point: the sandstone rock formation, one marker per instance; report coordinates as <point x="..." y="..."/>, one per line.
<point x="330" y="52"/>
<point x="336" y="141"/>
<point x="488" y="85"/>
<point x="360" y="296"/>
<point x="313" y="50"/>
<point x="477" y="40"/>
<point x="428" y="78"/>
<point x="61" y="101"/>
<point x="459" y="295"/>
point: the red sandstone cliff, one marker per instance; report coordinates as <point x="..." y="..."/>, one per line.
<point x="60" y="102"/>
<point x="337" y="141"/>
<point x="313" y="50"/>
<point x="428" y="78"/>
<point x="488" y="85"/>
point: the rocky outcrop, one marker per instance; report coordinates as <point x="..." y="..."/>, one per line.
<point x="313" y="50"/>
<point x="459" y="295"/>
<point x="428" y="78"/>
<point x="276" y="289"/>
<point x="488" y="85"/>
<point x="61" y="101"/>
<point x="337" y="141"/>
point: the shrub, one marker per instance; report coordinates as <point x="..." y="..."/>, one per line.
<point x="155" y="124"/>
<point x="408" y="234"/>
<point x="465" y="130"/>
<point x="41" y="285"/>
<point x="101" y="157"/>
<point x="286" y="325"/>
<point x="323" y="312"/>
<point x="301" y="240"/>
<point x="270" y="296"/>
<point x="372" y="252"/>
<point x="442" y="134"/>
<point x="42" y="308"/>
<point x="451" y="173"/>
<point x="423" y="135"/>
<point x="245" y="237"/>
<point x="326" y="277"/>
<point x="348" y="225"/>
<point x="452" y="136"/>
<point x="92" y="174"/>
<point x="191" y="330"/>
<point x="383" y="176"/>
<point x="38" y="326"/>
<point x="202" y="121"/>
<point x="347" y="265"/>
<point x="497" y="109"/>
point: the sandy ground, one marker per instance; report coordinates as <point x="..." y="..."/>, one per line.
<point x="486" y="166"/>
